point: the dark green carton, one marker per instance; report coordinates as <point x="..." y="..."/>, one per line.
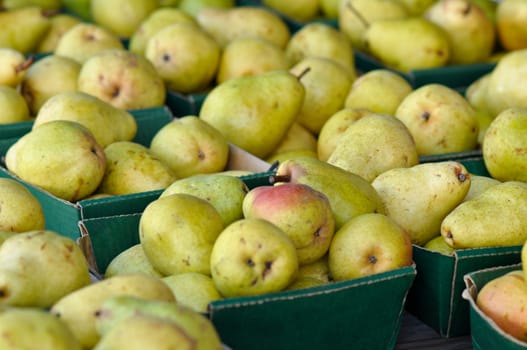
<point x="364" y="313"/>
<point x="486" y="335"/>
<point x="472" y="160"/>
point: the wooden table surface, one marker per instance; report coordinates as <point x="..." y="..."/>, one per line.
<point x="414" y="335"/>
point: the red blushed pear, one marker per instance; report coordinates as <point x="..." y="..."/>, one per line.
<point x="368" y="244"/>
<point x="302" y="212"/>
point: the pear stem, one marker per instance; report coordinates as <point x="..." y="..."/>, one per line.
<point x="279" y="178"/>
<point x="304" y="72"/>
<point x="25" y="65"/>
<point x="358" y="14"/>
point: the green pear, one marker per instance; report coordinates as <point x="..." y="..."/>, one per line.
<point x="318" y="269"/>
<point x="440" y="120"/>
<point x="510" y="24"/>
<point x="476" y="95"/>
<point x="503" y="300"/>
<point x="84" y="40"/>
<point x="470" y="31"/>
<point x="177" y="233"/>
<point x="374" y="144"/>
<point x="194" y="7"/>
<point x="333" y="129"/>
<point x="40" y="267"/>
<point x="79" y="8"/>
<point x="367" y="88"/>
<point x="224" y="192"/>
<point x="438" y="244"/>
<point x="46" y="330"/>
<point x="193" y="289"/>
<point x="173" y="325"/>
<point x="326" y="86"/>
<point x="13" y="106"/>
<point x="225" y="24"/>
<point x="253" y="257"/>
<point x="156" y="20"/>
<point x="35" y="22"/>
<point x="426" y="45"/>
<point x="355" y="16"/>
<point x="44" y="4"/>
<point x="79" y="309"/>
<point x="132" y="14"/>
<point x="283" y="156"/>
<point x="504" y="85"/>
<point x="20" y="210"/>
<point x="305" y="282"/>
<point x="43" y="157"/>
<point x="107" y="123"/>
<point x="418" y="7"/>
<point x="249" y="56"/>
<point x="47" y="77"/>
<point x="133" y="168"/>
<point x="502" y="145"/>
<point x="322" y="40"/>
<point x="297" y="138"/>
<point x="131" y="260"/>
<point x="330" y="9"/>
<point x="122" y="78"/>
<point x="190" y="146"/>
<point x="431" y="188"/>
<point x="299" y="10"/>
<point x="4" y="235"/>
<point x="349" y="194"/>
<point x="254" y="113"/>
<point x="59" y="24"/>
<point x="185" y="56"/>
<point x="13" y="66"/>
<point x="302" y="212"/>
<point x="478" y="185"/>
<point x="355" y="250"/>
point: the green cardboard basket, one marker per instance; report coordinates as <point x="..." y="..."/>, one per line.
<point x="486" y="335"/>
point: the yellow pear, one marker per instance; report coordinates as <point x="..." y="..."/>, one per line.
<point x="59" y="24"/>
<point x="298" y="138"/>
<point x="299" y="10"/>
<point x="510" y="24"/>
<point x="13" y="66"/>
<point x="131" y="260"/>
<point x="193" y="289"/>
<point x="13" y="106"/>
<point x="438" y="244"/>
<point x="20" y="210"/>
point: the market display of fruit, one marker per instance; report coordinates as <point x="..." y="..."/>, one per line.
<point x="358" y="169"/>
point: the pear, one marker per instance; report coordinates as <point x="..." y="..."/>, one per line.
<point x="470" y="31"/>
<point x="355" y="16"/>
<point x="367" y="88"/>
<point x="177" y="233"/>
<point x="318" y="269"/>
<point x="79" y="8"/>
<point x="426" y="45"/>
<point x="476" y="95"/>
<point x="225" y="24"/>
<point x="321" y="40"/>
<point x="43" y="157"/>
<point x="79" y="309"/>
<point x="194" y="7"/>
<point x="374" y="144"/>
<point x="224" y="192"/>
<point x="156" y="20"/>
<point x="20" y="210"/>
<point x="83" y="40"/>
<point x="298" y="10"/>
<point x="185" y="57"/>
<point x="40" y="267"/>
<point x="503" y="86"/>
<point x="478" y="185"/>
<point x="440" y="120"/>
<point x="5" y="235"/>
<point x="249" y="56"/>
<point x="134" y="12"/>
<point x="193" y="289"/>
<point x="510" y="24"/>
<point x="502" y="145"/>
<point x="13" y="106"/>
<point x="60" y="24"/>
<point x="129" y="261"/>
<point x="122" y="78"/>
<point x="173" y="323"/>
<point x="349" y="194"/>
<point x="298" y="138"/>
<point x="330" y="9"/>
<point x="283" y="156"/>
<point x="189" y="146"/>
<point x="431" y="188"/>
<point x="35" y="22"/>
<point x="438" y="244"/>
<point x="253" y="256"/>
<point x="107" y="123"/>
<point x="255" y="113"/>
<point x="13" y="66"/>
<point x="132" y="168"/>
<point x="326" y="86"/>
<point x="305" y="282"/>
<point x="333" y="129"/>
<point x="47" y="77"/>
<point x="46" y="330"/>
<point x="418" y="7"/>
